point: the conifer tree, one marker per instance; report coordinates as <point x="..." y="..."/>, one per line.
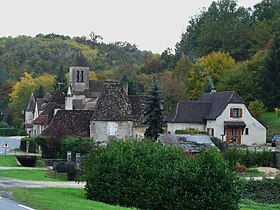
<point x="271" y="76"/>
<point x="60" y="80"/>
<point x="154" y="113"/>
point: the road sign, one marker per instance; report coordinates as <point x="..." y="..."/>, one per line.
<point x="6" y="145"/>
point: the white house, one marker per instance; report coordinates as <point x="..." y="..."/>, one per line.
<point x="223" y="114"/>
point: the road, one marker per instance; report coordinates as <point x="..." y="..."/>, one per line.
<point x="12" y="205"/>
<point x="13" y="142"/>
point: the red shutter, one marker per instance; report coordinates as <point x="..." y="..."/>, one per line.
<point x="239" y="136"/>
<point x="240" y="113"/>
<point x="231" y="112"/>
<point x="227" y="135"/>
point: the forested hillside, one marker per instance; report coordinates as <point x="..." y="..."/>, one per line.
<point x="225" y="46"/>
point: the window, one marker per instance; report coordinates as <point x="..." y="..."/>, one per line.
<point x="112" y="128"/>
<point x="78" y="76"/>
<point x="246" y="131"/>
<point x="235" y="112"/>
<point x="82" y="76"/>
<point x="210" y="131"/>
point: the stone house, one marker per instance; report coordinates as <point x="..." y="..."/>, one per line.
<point x="222" y="114"/>
<point x="113" y="112"/>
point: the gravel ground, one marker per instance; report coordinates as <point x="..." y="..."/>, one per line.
<point x="12" y="183"/>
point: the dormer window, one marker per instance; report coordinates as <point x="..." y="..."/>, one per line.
<point x="235" y="112"/>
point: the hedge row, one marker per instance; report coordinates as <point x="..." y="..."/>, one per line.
<point x="11" y="132"/>
<point x="32" y="144"/>
<point x="267" y="191"/>
<point x="148" y="175"/>
<point x="190" y="131"/>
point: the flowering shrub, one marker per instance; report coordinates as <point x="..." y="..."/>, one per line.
<point x="240" y="168"/>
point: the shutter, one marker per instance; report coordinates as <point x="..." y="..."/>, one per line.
<point x="227" y="135"/>
<point x="240" y="113"/>
<point x="231" y="112"/>
<point x="239" y="136"/>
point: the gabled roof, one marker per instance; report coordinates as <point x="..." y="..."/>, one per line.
<point x="219" y="102"/>
<point x="73" y="122"/>
<point x="138" y="108"/>
<point x="79" y="60"/>
<point x="189" y="112"/>
<point x="31" y="104"/>
<point x="41" y="120"/>
<point x="113" y="104"/>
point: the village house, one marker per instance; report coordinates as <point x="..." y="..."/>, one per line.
<point x="222" y="114"/>
<point x="90" y="108"/>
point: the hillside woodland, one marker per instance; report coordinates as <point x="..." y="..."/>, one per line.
<point x="225" y="46"/>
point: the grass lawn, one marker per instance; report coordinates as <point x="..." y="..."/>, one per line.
<point x="272" y="121"/>
<point x="253" y="172"/>
<point x="8" y="160"/>
<point x="59" y="198"/>
<point x="34" y="174"/>
<point x="247" y="204"/>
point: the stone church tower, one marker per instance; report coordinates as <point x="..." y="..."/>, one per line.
<point x="79" y="75"/>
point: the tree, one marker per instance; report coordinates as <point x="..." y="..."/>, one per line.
<point x="207" y="72"/>
<point x="256" y="108"/>
<point x="222" y="27"/>
<point x="60" y="80"/>
<point x="39" y="92"/>
<point x="154" y="113"/>
<point x="271" y="76"/>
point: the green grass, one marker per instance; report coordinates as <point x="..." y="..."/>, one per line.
<point x="253" y="172"/>
<point x="272" y="121"/>
<point x="247" y="204"/>
<point x="59" y="198"/>
<point x="34" y="174"/>
<point x="8" y="160"/>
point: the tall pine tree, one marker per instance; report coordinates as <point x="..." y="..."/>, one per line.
<point x="154" y="113"/>
<point x="60" y="80"/>
<point x="271" y="76"/>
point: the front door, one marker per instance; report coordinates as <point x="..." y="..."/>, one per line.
<point x="233" y="135"/>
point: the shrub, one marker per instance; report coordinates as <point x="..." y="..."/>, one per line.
<point x="148" y="175"/>
<point x="190" y="131"/>
<point x="76" y="145"/>
<point x="8" y="132"/>
<point x="4" y="124"/>
<point x="42" y="141"/>
<point x="32" y="144"/>
<point x="218" y="143"/>
<point x="21" y="132"/>
<point x="267" y="191"/>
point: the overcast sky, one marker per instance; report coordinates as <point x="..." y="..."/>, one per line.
<point x="150" y="24"/>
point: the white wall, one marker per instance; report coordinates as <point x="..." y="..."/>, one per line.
<point x="257" y="132"/>
<point x="172" y="127"/>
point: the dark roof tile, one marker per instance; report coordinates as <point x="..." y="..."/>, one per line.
<point x="79" y="60"/>
<point x="138" y="108"/>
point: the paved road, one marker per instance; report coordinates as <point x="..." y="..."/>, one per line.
<point x="11" y="183"/>
<point x="11" y="205"/>
<point x="13" y="142"/>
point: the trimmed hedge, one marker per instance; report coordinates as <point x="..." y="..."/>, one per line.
<point x="250" y="158"/>
<point x="32" y="144"/>
<point x="76" y="145"/>
<point x="12" y="132"/>
<point x="42" y="141"/>
<point x="267" y="191"/>
<point x="148" y="175"/>
<point x="190" y="131"/>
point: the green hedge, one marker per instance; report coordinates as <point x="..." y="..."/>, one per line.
<point x="8" y="132"/>
<point x="42" y="141"/>
<point x="190" y="131"/>
<point x="76" y="145"/>
<point x="250" y="158"/>
<point x="267" y="191"/>
<point x="32" y="144"/>
<point x="148" y="175"/>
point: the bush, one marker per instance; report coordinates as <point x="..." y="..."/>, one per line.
<point x="8" y="132"/>
<point x="267" y="191"/>
<point x="190" y="131"/>
<point x="4" y="124"/>
<point x="218" y="143"/>
<point x="148" y="175"/>
<point x="22" y="133"/>
<point x="42" y="141"/>
<point x="76" y="145"/>
<point x="32" y="144"/>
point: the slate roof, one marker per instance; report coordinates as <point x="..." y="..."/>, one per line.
<point x="138" y="108"/>
<point x="190" y="143"/>
<point x="74" y="122"/>
<point x="140" y="88"/>
<point x="189" y="112"/>
<point x="113" y="104"/>
<point x="59" y="98"/>
<point x="31" y="104"/>
<point x="79" y="60"/>
<point x="219" y="102"/>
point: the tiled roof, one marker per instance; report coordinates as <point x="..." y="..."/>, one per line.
<point x="219" y="102"/>
<point x="79" y="60"/>
<point x="190" y="143"/>
<point x="58" y="97"/>
<point x="189" y="112"/>
<point x="41" y="120"/>
<point x="140" y="88"/>
<point x="74" y="122"/>
<point x="138" y="108"/>
<point x="31" y="104"/>
<point x="113" y="104"/>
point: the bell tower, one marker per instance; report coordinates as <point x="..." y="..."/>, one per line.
<point x="79" y="74"/>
